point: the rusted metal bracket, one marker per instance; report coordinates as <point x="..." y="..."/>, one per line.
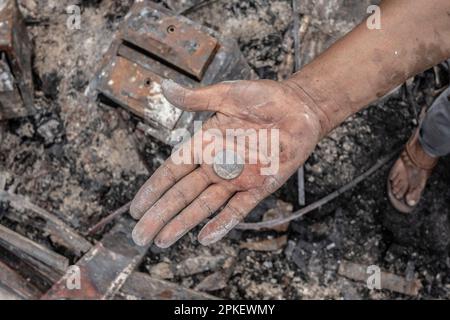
<point x="105" y="268"/>
<point x="152" y="44"/>
<point x="16" y="85"/>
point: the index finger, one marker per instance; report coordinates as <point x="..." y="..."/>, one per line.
<point x="162" y="179"/>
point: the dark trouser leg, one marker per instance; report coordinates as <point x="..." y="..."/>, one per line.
<point x="435" y="129"/>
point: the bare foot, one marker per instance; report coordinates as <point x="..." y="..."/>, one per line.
<point x="409" y="175"/>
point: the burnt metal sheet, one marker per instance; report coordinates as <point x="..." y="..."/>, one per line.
<point x="153" y="44"/>
<point x="105" y="268"/>
<point x="176" y="41"/>
<point x="16" y="87"/>
<point x="139" y="89"/>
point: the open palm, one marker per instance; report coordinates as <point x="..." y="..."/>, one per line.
<point x="180" y="196"/>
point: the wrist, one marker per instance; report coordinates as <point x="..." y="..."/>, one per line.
<point x="308" y="98"/>
<point x="333" y="96"/>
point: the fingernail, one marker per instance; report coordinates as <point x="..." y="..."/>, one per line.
<point x="138" y="237"/>
<point x="206" y="238"/>
<point x="168" y="241"/>
<point x="161" y="245"/>
<point x="135" y="211"/>
<point x="412" y="202"/>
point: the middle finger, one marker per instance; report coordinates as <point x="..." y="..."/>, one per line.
<point x="172" y="202"/>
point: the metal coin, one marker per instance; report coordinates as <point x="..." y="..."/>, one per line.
<point x="228" y="164"/>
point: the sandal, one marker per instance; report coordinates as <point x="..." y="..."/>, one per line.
<point x="411" y="157"/>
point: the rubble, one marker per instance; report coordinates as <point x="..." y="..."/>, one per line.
<point x="198" y="264"/>
<point x="162" y="270"/>
<point x="218" y="280"/>
<point x="282" y="210"/>
<point x="265" y="245"/>
<point x="273" y="291"/>
<point x="154" y="44"/>
<point x="329" y="21"/>
<point x="213" y="282"/>
<point x="49" y="130"/>
<point x="90" y="165"/>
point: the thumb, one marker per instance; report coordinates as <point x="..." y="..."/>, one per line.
<point x="201" y="99"/>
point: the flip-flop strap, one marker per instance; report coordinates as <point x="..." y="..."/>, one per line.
<point x="413" y="159"/>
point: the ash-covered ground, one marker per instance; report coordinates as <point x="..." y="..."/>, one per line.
<point x="81" y="160"/>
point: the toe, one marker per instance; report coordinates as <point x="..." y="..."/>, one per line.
<point x="399" y="179"/>
<point x="413" y="195"/>
<point x="394" y="175"/>
<point x="412" y="199"/>
<point x="397" y="170"/>
<point x="396" y="183"/>
<point x="400" y="189"/>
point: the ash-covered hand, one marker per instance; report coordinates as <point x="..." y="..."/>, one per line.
<point x="187" y="189"/>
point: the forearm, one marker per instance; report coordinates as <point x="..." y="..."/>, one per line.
<point x="367" y="64"/>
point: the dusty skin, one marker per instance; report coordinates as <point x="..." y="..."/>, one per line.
<point x="358" y="69"/>
<point x="242" y="104"/>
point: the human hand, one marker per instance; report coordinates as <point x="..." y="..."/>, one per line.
<point x="178" y="197"/>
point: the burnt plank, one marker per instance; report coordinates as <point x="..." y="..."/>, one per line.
<point x="6" y="294"/>
<point x="105" y="268"/>
<point x="31" y="251"/>
<point x="59" y="231"/>
<point x="388" y="281"/>
<point x="141" y="286"/>
<point x="15" y="286"/>
<point x="43" y="277"/>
